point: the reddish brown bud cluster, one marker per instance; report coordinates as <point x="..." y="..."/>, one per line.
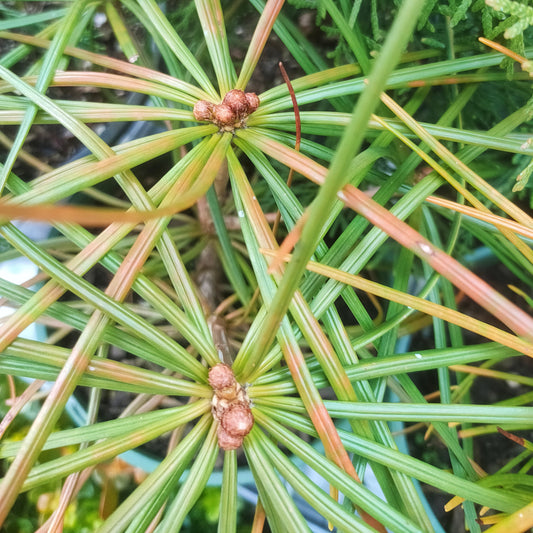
<point x="230" y="407"/>
<point x="229" y="114"/>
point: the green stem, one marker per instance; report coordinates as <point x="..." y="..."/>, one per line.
<point x="338" y="174"/>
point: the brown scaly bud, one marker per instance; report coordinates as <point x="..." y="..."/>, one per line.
<point x="223" y="381"/>
<point x="227" y="441"/>
<point x="203" y="110"/>
<point x="230" y="407"/>
<point x="253" y="102"/>
<point x="237" y="420"/>
<point x="223" y="115"/>
<point x="221" y="377"/>
<point x="229" y="393"/>
<point x="238" y="102"/>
